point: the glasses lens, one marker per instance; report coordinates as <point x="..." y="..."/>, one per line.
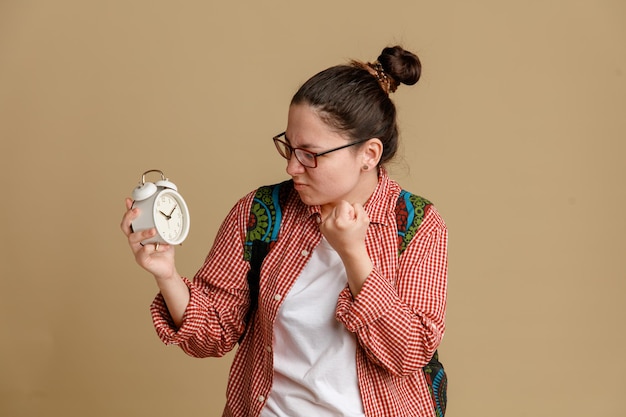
<point x="283" y="148"/>
<point x="306" y="158"/>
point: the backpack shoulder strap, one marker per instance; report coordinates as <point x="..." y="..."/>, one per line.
<point x="261" y="232"/>
<point x="265" y="217"/>
<point x="410" y="209"/>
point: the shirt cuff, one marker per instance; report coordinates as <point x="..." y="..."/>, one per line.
<point x="375" y="298"/>
<point x="192" y="318"/>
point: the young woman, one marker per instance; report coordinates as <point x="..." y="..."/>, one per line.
<point x="344" y="324"/>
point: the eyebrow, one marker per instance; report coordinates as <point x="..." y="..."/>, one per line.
<point x="304" y="146"/>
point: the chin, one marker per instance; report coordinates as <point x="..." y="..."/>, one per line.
<point x="309" y="199"/>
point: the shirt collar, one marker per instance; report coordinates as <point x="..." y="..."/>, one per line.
<point x="384" y="196"/>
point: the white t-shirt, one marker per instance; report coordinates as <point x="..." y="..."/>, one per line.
<point x="314" y="355"/>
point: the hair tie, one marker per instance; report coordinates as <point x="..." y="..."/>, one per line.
<point x="387" y="83"/>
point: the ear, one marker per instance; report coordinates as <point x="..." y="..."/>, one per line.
<point x="371" y="152"/>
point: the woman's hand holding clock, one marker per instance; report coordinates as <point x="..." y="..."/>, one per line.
<point x="158" y="259"/>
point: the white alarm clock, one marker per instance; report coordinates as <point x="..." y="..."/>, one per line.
<point x="161" y="207"/>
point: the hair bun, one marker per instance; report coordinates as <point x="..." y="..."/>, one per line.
<point x="403" y="66"/>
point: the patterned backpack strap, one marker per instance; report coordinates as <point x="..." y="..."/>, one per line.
<point x="265" y="217"/>
<point x="410" y="210"/>
<point x="437" y="382"/>
<point x="261" y="233"/>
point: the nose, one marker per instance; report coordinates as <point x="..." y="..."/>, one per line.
<point x="294" y="166"/>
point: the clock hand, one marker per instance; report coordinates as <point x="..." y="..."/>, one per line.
<point x="165" y="215"/>
<point x="171" y="212"/>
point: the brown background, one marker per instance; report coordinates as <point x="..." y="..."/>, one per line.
<point x="516" y="132"/>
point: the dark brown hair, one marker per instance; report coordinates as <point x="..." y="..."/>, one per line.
<point x="350" y="98"/>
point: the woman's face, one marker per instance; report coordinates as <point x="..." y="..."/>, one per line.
<point x="339" y="175"/>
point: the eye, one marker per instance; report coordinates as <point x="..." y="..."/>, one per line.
<point x="306" y="155"/>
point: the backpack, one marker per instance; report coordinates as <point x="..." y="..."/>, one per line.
<point x="262" y="232"/>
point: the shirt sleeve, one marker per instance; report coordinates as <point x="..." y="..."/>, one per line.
<point x="219" y="296"/>
<point x="399" y="321"/>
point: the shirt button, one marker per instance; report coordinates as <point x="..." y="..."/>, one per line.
<point x="268" y="348"/>
<point x="305" y="252"/>
<point x="261" y="398"/>
<point x="277" y="297"/>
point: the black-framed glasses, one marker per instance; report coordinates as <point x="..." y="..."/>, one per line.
<point x="306" y="158"/>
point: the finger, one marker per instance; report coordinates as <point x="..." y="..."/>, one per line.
<point x="360" y="213"/>
<point x="335" y="213"/>
<point x="342" y="208"/>
<point x="129" y="203"/>
<point x="135" y="239"/>
<point x="361" y="218"/>
<point x="127" y="219"/>
<point x="344" y="216"/>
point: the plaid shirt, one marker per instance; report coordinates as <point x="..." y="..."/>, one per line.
<point x="398" y="318"/>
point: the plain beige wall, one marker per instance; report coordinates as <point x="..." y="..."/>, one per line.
<point x="516" y="131"/>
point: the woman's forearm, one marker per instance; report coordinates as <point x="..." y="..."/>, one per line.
<point x="176" y="295"/>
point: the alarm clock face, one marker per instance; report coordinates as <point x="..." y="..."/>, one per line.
<point x="170" y="217"/>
